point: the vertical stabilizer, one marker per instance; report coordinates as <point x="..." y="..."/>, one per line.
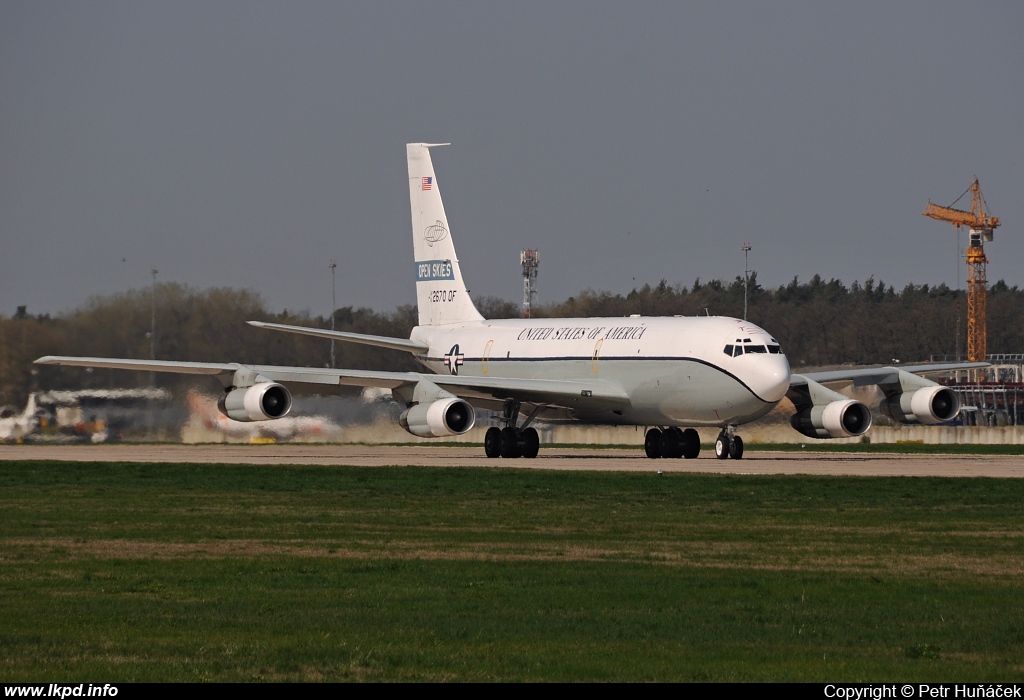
<point x="441" y="294"/>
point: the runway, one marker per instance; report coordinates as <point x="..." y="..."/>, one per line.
<point x="754" y="462"/>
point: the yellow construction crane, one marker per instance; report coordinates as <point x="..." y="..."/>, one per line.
<point x="980" y="226"/>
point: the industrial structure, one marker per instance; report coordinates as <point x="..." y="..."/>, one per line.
<point x="530" y="260"/>
<point x="981" y="227"/>
<point x="993" y="396"/>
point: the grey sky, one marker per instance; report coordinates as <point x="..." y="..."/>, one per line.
<point x="246" y="144"/>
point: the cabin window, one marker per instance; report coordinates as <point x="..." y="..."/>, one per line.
<point x="728" y="350"/>
<point x="756" y="348"/>
<point x="775" y="350"/>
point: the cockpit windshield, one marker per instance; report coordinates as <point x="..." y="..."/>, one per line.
<point x="748" y="347"/>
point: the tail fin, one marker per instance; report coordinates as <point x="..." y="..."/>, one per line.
<point x="441" y="295"/>
<point x="31" y="407"/>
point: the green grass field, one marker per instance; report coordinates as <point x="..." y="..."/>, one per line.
<point x="118" y="572"/>
<point x="808" y="446"/>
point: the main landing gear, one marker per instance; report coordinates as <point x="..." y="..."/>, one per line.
<point x="675" y="443"/>
<point x="672" y="443"/>
<point x="511" y="442"/>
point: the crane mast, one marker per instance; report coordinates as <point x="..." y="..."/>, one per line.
<point x="980" y="226"/>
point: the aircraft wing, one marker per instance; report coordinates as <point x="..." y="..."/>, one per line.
<point x="587" y="395"/>
<point x="865" y="376"/>
<point x="910" y="399"/>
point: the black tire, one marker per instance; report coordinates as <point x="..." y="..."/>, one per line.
<point x="492" y="442"/>
<point x="672" y="443"/>
<point x="529" y="443"/>
<point x="736" y="450"/>
<point x="722" y="447"/>
<point x="652" y="443"/>
<point x="691" y="443"/>
<point x="509" y="443"/>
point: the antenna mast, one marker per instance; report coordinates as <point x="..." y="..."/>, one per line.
<point x="746" y="275"/>
<point x="530" y="260"/>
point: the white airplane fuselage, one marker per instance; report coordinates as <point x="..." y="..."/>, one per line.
<point x="675" y="370"/>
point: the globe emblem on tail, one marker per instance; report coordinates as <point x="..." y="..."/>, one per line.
<point x="435" y="233"/>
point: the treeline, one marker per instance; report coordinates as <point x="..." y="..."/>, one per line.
<point x="817" y="322"/>
<point x="825" y="322"/>
<point x="192" y="325"/>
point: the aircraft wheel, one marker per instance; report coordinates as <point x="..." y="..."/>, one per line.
<point x="722" y="447"/>
<point x="736" y="449"/>
<point x="492" y="442"/>
<point x="652" y="443"/>
<point x="691" y="443"/>
<point x="529" y="443"/>
<point x="672" y="443"/>
<point x="508" y="445"/>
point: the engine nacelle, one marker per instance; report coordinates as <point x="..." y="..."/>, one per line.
<point x="264" y="401"/>
<point x="451" y="416"/>
<point x="837" y="419"/>
<point x="927" y="406"/>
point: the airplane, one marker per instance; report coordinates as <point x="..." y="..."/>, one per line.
<point x="17" y="426"/>
<point x="670" y="375"/>
<point x="63" y="411"/>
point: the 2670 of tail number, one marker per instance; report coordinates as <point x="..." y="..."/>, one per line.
<point x="442" y="295"/>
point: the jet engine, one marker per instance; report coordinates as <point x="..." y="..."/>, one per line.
<point x="264" y="401"/>
<point x="446" y="416"/>
<point x="837" y="419"/>
<point x="927" y="406"/>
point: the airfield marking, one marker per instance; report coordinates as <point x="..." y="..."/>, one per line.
<point x="849" y="464"/>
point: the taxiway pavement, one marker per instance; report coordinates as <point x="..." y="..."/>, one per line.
<point x="753" y="462"/>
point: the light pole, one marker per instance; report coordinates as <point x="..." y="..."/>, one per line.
<point x="152" y="349"/>
<point x="152" y="326"/>
<point x="746" y="275"/>
<point x="152" y="320"/>
<point x="334" y="305"/>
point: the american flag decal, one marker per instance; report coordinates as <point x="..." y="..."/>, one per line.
<point x="427" y="183"/>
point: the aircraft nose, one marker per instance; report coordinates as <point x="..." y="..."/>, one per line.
<point x="771" y="377"/>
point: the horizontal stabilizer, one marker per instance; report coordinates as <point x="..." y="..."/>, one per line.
<point x="208" y="368"/>
<point x="377" y="340"/>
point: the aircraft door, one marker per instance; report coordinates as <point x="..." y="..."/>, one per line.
<point x="596" y="356"/>
<point x="485" y="359"/>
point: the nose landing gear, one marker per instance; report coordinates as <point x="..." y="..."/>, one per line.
<point x="728" y="444"/>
